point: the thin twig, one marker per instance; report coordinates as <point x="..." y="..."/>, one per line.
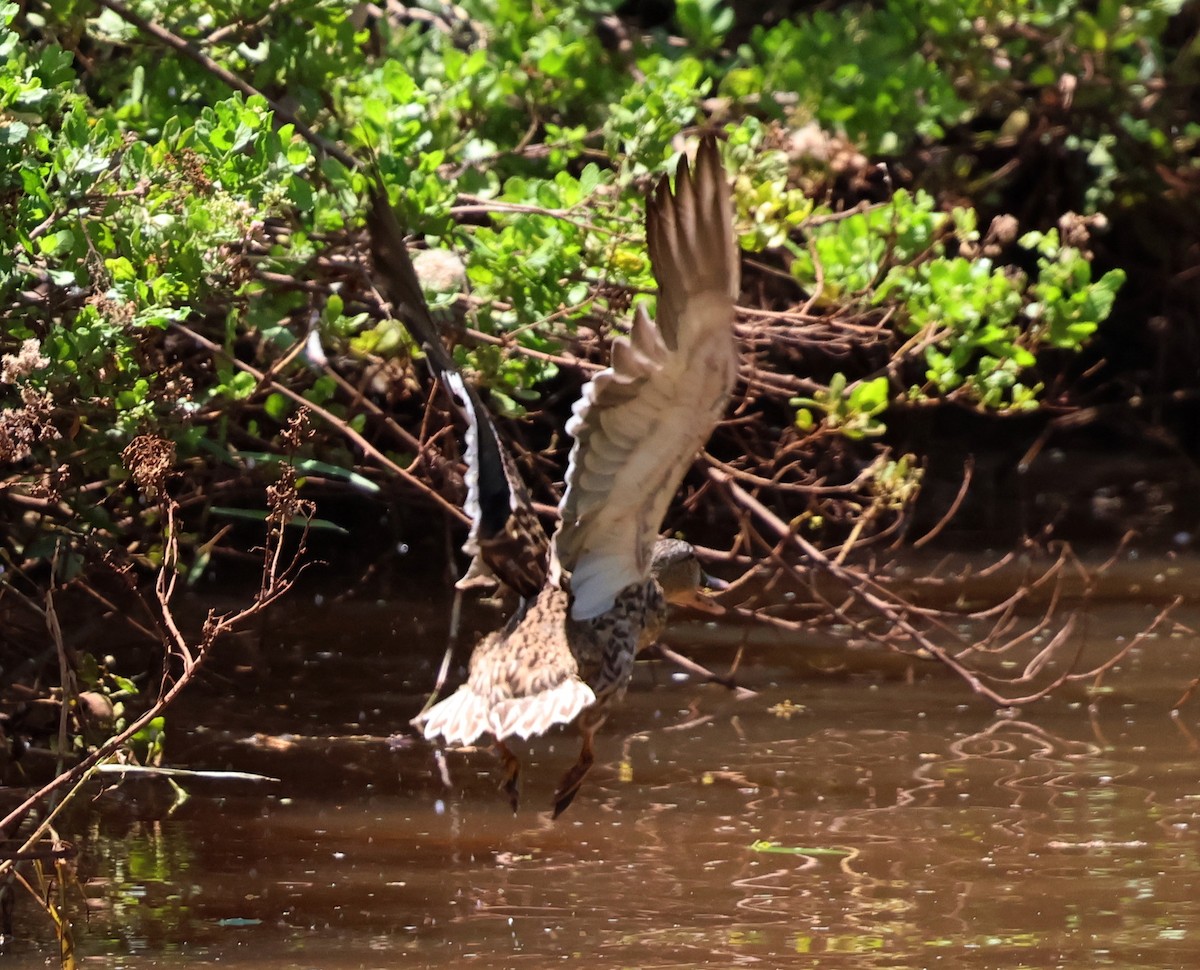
<point x="699" y="670"/>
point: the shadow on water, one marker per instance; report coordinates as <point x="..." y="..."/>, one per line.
<point x="838" y="818"/>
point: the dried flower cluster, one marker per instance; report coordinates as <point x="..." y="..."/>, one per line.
<point x="23" y="427"/>
<point x="14" y="367"/>
<point x="282" y="497"/>
<point x="150" y="460"/>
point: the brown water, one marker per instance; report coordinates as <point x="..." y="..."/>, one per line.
<point x="910" y="824"/>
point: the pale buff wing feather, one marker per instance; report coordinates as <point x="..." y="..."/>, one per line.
<point x="473" y="504"/>
<point x="640" y="423"/>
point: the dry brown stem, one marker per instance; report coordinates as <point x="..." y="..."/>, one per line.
<point x="183" y="656"/>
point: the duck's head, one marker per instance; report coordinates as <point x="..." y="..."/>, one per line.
<point x="678" y="572"/>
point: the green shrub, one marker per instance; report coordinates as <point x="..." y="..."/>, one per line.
<point x="140" y="193"/>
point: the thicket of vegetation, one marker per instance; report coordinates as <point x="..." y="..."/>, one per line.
<point x="940" y="203"/>
<point x="145" y="202"/>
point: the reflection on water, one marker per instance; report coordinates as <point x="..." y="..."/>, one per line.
<point x="940" y="832"/>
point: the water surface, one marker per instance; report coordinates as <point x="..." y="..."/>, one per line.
<point x="878" y="815"/>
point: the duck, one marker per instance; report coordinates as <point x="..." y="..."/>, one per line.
<point x="598" y="591"/>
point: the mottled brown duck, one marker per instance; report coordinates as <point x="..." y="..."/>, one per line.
<point x="570" y="648"/>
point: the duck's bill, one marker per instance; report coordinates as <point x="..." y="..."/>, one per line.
<point x="702" y="599"/>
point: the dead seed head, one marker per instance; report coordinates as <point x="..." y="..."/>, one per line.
<point x="150" y="460"/>
<point x="1077" y="230"/>
<point x="14" y="367"/>
<point x="21" y="428"/>
<point x="285" y="501"/>
<point x="115" y="311"/>
<point x="297" y="431"/>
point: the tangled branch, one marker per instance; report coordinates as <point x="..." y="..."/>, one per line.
<point x="183" y="656"/>
<point x="868" y="603"/>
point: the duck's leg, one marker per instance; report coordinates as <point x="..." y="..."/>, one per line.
<point x="512" y="772"/>
<point x="589" y="722"/>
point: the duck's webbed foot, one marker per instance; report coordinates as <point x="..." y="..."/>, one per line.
<point x="589" y="722"/>
<point x="512" y="772"/>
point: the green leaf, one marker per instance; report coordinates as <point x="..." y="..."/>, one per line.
<point x="310" y="466"/>
<point x="124" y="684"/>
<point x="297" y="521"/>
<point x="277" y="406"/>
<point x="57" y="243"/>
<point x="13" y="132"/>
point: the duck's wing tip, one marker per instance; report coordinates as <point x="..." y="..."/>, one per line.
<point x="397" y="277"/>
<point x="689" y="234"/>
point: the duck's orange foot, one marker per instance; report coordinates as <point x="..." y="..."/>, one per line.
<point x="569" y="787"/>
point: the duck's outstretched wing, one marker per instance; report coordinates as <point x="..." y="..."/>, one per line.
<point x="639" y="424"/>
<point x="507" y="541"/>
